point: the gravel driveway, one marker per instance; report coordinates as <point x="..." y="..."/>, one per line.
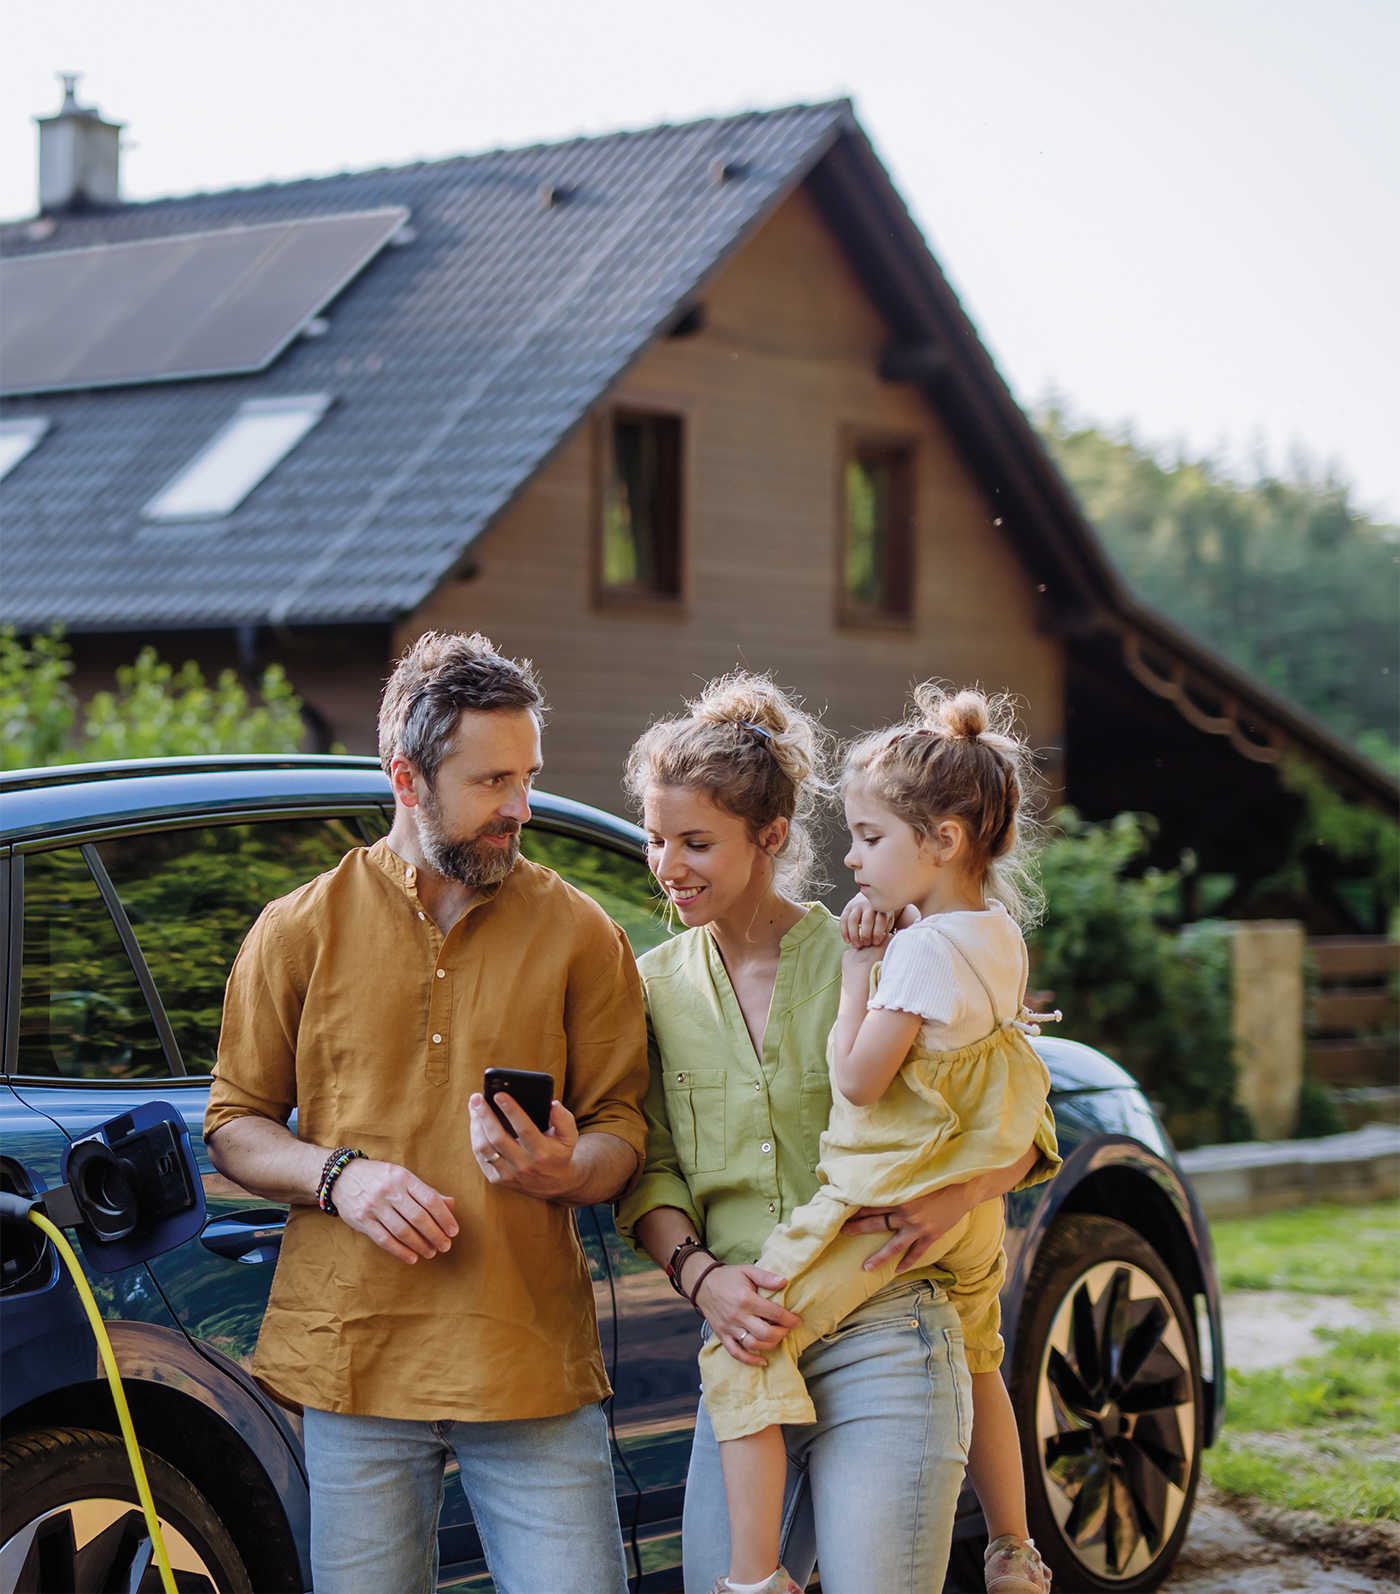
<point x="1224" y="1555"/>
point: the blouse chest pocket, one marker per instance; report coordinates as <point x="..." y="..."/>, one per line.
<point x="695" y="1104"/>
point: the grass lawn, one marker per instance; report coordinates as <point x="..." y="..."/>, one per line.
<point x="1321" y="1250"/>
<point x="1324" y="1434"/>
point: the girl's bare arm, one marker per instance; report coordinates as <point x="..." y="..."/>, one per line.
<point x="867" y="1047"/>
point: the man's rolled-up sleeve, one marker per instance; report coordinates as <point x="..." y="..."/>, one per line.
<point x="256" y="1074"/>
<point x="605" y="1026"/>
<point x="662" y="1183"/>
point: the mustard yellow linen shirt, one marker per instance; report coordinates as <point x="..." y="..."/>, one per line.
<point x="733" y="1140"/>
<point x="348" y="1004"/>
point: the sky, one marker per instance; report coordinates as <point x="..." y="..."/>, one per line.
<point x="1181" y="216"/>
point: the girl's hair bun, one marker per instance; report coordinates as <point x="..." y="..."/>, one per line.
<point x="965" y="715"/>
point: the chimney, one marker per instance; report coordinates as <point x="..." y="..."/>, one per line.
<point x="78" y="155"/>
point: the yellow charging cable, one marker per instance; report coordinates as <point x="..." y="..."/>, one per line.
<point x="109" y="1362"/>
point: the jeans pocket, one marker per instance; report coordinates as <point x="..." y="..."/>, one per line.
<point x="955" y="1357"/>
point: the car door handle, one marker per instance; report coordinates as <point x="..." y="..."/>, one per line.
<point x="245" y="1240"/>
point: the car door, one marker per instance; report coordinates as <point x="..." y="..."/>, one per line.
<point x="76" y="1017"/>
<point x="657" y="1336"/>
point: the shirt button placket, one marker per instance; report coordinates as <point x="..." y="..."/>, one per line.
<point x="439" y="1025"/>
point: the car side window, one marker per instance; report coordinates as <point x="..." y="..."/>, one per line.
<point x="623" y="887"/>
<point x="82" y="1014"/>
<point x="192" y="896"/>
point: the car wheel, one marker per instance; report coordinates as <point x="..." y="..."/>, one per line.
<point x="71" y="1518"/>
<point x="1106" y="1385"/>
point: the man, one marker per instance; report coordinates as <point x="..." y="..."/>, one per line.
<point x="437" y="1299"/>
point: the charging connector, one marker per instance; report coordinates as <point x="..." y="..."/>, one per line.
<point x="24" y="1209"/>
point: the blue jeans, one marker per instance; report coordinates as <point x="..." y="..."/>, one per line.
<point x="872" y="1485"/>
<point x="541" y="1493"/>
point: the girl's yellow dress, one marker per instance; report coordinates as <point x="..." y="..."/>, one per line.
<point x="945" y="1118"/>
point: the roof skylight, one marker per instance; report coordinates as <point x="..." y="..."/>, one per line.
<point x="18" y="438"/>
<point x="221" y="475"/>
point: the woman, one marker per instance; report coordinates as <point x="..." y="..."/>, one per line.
<point x="739" y="1009"/>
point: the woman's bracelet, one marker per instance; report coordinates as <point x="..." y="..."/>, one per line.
<point x="679" y="1257"/>
<point x="704" y="1275"/>
<point x="336" y="1164"/>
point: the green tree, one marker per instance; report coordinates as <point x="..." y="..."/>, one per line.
<point x="159" y="712"/>
<point x="1154" y="997"/>
<point x="155" y="712"/>
<point x="1285" y="577"/>
<point x="37" y="706"/>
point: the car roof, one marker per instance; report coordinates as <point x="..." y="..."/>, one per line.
<point x="69" y="801"/>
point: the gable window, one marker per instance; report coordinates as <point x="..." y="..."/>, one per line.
<point x="640" y="554"/>
<point x="19" y="438"/>
<point x="877" y="553"/>
<point x="221" y="475"/>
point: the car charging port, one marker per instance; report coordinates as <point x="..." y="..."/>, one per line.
<point x="25" y="1259"/>
<point x="132" y="1192"/>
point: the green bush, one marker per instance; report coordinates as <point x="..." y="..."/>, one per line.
<point x="156" y="711"/>
<point x="1155" y="998"/>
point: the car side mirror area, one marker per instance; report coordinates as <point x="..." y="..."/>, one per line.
<point x="132" y="1189"/>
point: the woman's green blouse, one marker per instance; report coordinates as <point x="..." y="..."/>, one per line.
<point x="734" y="1140"/>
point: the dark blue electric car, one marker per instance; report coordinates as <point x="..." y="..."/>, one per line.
<point x="125" y="891"/>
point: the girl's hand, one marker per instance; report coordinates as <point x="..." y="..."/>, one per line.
<point x="732" y="1306"/>
<point x="864" y="926"/>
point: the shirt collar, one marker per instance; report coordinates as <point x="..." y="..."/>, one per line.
<point x="405" y="875"/>
<point x="808" y="925"/>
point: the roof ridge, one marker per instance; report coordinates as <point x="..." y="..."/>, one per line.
<point x="840" y="106"/>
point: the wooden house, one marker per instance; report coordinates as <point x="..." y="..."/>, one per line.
<point x="642" y="408"/>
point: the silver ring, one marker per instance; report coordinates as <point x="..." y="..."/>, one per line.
<point x="744" y="1334"/>
<point x="494" y="1157"/>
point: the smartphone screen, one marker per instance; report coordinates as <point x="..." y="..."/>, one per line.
<point x="532" y="1093"/>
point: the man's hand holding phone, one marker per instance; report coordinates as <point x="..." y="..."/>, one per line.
<point x="539" y="1164"/>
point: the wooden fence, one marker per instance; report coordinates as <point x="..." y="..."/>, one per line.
<point x="1352" y="1034"/>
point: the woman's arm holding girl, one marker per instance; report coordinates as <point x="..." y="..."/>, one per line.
<point x="928" y="1218"/>
<point x="729" y="1296"/>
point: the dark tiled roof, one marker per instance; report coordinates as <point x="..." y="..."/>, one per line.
<point x="457" y="362"/>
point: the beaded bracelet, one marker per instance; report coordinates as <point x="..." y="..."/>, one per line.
<point x="336" y="1164"/>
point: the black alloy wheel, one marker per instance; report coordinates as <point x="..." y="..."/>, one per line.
<point x="1107" y="1391"/>
<point x="71" y="1519"/>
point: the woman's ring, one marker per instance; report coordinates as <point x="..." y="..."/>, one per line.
<point x="494" y="1157"/>
<point x="743" y="1335"/>
<point x="888" y="1224"/>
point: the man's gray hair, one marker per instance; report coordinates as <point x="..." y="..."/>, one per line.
<point x="435" y="682"/>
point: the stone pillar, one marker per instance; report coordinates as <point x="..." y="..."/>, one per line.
<point x="1267" y="963"/>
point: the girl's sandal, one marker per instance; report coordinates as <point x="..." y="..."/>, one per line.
<point x="779" y="1583"/>
<point x="1014" y="1566"/>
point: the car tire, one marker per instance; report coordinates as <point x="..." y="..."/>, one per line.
<point x="1106" y="1386"/>
<point x="71" y="1518"/>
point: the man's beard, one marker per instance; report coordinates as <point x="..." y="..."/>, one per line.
<point x="470" y="861"/>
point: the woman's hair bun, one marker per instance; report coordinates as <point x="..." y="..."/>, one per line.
<point x="755" y="749"/>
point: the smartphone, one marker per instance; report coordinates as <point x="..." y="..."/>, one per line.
<point x="530" y="1091"/>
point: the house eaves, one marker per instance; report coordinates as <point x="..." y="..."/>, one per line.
<point x="937" y="348"/>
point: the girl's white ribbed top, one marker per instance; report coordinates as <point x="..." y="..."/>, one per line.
<point x="923" y="974"/>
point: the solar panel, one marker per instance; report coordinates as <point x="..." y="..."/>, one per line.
<point x="166" y="309"/>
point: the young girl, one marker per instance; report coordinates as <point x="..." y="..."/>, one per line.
<point x="934" y="1084"/>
